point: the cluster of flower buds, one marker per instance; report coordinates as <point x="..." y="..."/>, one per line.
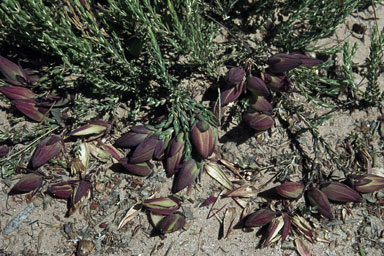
<point x="148" y="143"/>
<point x="259" y="114"/>
<point x="318" y="197"/>
<point x="23" y="98"/>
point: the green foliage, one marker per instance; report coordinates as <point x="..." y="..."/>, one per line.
<point x="110" y="48"/>
<point x="373" y="95"/>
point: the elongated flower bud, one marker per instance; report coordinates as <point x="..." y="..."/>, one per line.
<point x="339" y="192"/>
<point x="96" y="127"/>
<point x="13" y="73"/>
<point x="145" y="150"/>
<point x="287" y="226"/>
<point x="28" y="108"/>
<point x="283" y="62"/>
<point x="174" y="154"/>
<point x="235" y="75"/>
<point x="306" y="60"/>
<point x="171" y="223"/>
<point x="161" y="146"/>
<point x="27" y="183"/>
<point x="140" y="169"/>
<point x="262" y="105"/>
<point x="290" y="190"/>
<point x="368" y="183"/>
<point x="134" y="137"/>
<point x="320" y="201"/>
<point x="62" y="190"/>
<point x="257" y="86"/>
<point x="203" y="138"/>
<point x="46" y="150"/>
<point x="278" y="83"/>
<point x="186" y="175"/>
<point x="259" y="218"/>
<point x="231" y="94"/>
<point x="17" y="92"/>
<point x="258" y="122"/>
<point x="162" y="205"/>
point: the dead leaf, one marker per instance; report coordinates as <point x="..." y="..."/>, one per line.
<point x="302" y="249"/>
<point x="132" y="213"/>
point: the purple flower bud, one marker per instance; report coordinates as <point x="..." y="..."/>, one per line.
<point x="28" y="108"/>
<point x="162" y="205"/>
<point x="287" y="226"/>
<point x="235" y="75"/>
<point x="257" y="86"/>
<point x="171" y="223"/>
<point x="140" y="169"/>
<point x="174" y="154"/>
<point x="4" y="150"/>
<point x="203" y="138"/>
<point x="231" y="94"/>
<point x="259" y="218"/>
<point x="13" y="73"/>
<point x="306" y="60"/>
<point x="46" y="150"/>
<point x="27" y="183"/>
<point x="161" y="146"/>
<point x="96" y="127"/>
<point x="262" y="105"/>
<point x="62" y="190"/>
<point x="17" y="92"/>
<point x="134" y="137"/>
<point x="290" y="190"/>
<point x="258" y="122"/>
<point x="186" y="175"/>
<point x="282" y="62"/>
<point x="367" y="183"/>
<point x="145" y="150"/>
<point x="339" y="192"/>
<point x="278" y="83"/>
<point x="320" y="201"/>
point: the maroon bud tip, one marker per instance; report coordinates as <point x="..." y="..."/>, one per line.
<point x="203" y="138"/>
<point x="140" y="169"/>
<point x="320" y="201"/>
<point x="290" y="190"/>
<point x="259" y="218"/>
<point x="29" y="109"/>
<point x="257" y="86"/>
<point x="186" y="175"/>
<point x="17" y="92"/>
<point x="283" y="62"/>
<point x="235" y="75"/>
<point x="339" y="192"/>
<point x="171" y="223"/>
<point x="258" y="122"/>
<point x="46" y="150"/>
<point x="27" y="183"/>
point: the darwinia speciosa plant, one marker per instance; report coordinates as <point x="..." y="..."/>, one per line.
<point x="184" y="137"/>
<point x="184" y="140"/>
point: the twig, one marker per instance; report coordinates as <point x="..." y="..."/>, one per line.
<point x="339" y="222"/>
